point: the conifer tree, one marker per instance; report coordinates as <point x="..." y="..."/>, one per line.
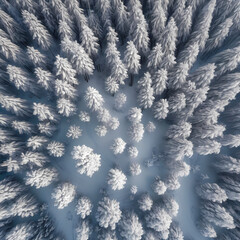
<point x="63" y="194"/>
<point x="168" y="38"/>
<point x="37" y="30"/>
<point x="145" y="95"/>
<point x="201" y="28"/>
<point x="130" y="226"/>
<point x="87" y="162"/>
<point x="132" y="60"/>
<point x="158" y="19"/>
<point x="108" y="213"/>
<point x="76" y="54"/>
<point x="13" y="28"/>
<point x="41" y="177"/>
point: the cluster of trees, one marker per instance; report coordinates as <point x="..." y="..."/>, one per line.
<point x="161" y="42"/>
<point x="16" y="201"/>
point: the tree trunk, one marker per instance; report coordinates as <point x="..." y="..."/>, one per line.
<point x="86" y="77"/>
<point x="131" y="80"/>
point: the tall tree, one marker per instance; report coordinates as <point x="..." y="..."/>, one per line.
<point x="108" y="213"/>
<point x="132" y="60"/>
<point x="87" y="162"/>
<point x="130" y="226"/>
<point x="37" y="30"/>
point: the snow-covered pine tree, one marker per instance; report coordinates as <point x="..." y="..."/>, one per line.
<point x="74" y="132"/>
<point x="202" y="76"/>
<point x="84" y="207"/>
<point x="112" y="36"/>
<point x="184" y="23"/>
<point x="77" y="12"/>
<point x="21" y="79"/>
<point x="121" y="16"/>
<point x="23" y="127"/>
<point x="104" y="10"/>
<point x="95" y="24"/>
<point x="45" y="78"/>
<point x="217" y="214"/>
<point x="211" y="192"/>
<point x="12" y="27"/>
<point x="159" y="81"/>
<point x="44" y="112"/>
<point x="37" y="58"/>
<point x="21" y="231"/>
<point x="18" y="106"/>
<point x="155" y="57"/>
<point x="170" y="205"/>
<point x="177" y="77"/>
<point x="175" y="232"/>
<point x="132" y="152"/>
<point x="158" y="19"/>
<point x="5" y="120"/>
<point x="136" y="131"/>
<point x="84" y="116"/>
<point x="120" y="101"/>
<point x="206" y="229"/>
<point x="116" y="179"/>
<point x="145" y="202"/>
<point x="218" y="35"/>
<point x="9" y="189"/>
<point x="160" y="109"/>
<point x="227" y="60"/>
<point x="145" y="95"/>
<point x="158" y="186"/>
<point x="135" y="115"/>
<point x="11" y="51"/>
<point x="117" y="68"/>
<point x="55" y="149"/>
<point x="37" y="30"/>
<point x="118" y="146"/>
<point x="87" y="162"/>
<point x="138" y="32"/>
<point x="158" y="219"/>
<point x="89" y="42"/>
<point x="180" y="130"/>
<point x="33" y="158"/>
<point x="41" y="177"/>
<point x="64" y="89"/>
<point x="132" y="60"/>
<point x="63" y="194"/>
<point x="130" y="226"/>
<point x="225" y="163"/>
<point x="76" y="54"/>
<point x="201" y="28"/>
<point x="135" y="169"/>
<point x="93" y="99"/>
<point x="229" y="182"/>
<point x="48" y="15"/>
<point x="47" y="128"/>
<point x="64" y="19"/>
<point x="24" y="206"/>
<point x="189" y="55"/>
<point x="66" y="107"/>
<point x="63" y="70"/>
<point x="206" y="146"/>
<point x="84" y="230"/>
<point x="177" y="148"/>
<point x="111" y="85"/>
<point x="168" y="38"/>
<point x="108" y="213"/>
